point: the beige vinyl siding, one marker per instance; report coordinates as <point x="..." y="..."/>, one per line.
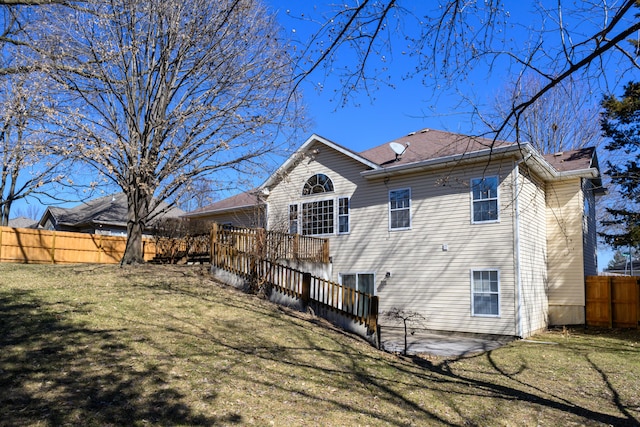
<point x="589" y="229"/>
<point x="424" y="277"/>
<point x="240" y="218"/>
<point x="565" y="252"/>
<point x="533" y="253"/>
<point x="343" y="171"/>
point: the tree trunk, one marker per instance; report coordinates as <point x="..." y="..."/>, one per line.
<point x="138" y="210"/>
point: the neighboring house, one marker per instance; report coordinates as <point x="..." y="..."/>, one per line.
<point x="242" y="210"/>
<point x="22" y="222"/>
<point x="624" y="268"/>
<point x="105" y="215"/>
<point x="476" y="236"/>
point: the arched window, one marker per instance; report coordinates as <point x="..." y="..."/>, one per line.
<point x="318" y="183"/>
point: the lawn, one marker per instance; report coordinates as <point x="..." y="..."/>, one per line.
<point x="158" y="345"/>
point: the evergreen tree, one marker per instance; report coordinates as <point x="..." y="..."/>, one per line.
<point x="621" y="123"/>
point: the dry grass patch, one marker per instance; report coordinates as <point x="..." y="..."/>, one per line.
<point x="160" y="345"/>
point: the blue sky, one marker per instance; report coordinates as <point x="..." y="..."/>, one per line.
<point x="374" y="118"/>
<point x="386" y="113"/>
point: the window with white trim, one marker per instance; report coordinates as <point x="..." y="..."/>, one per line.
<point x="485" y="293"/>
<point x="484" y="199"/>
<point x="355" y="302"/>
<point x="318" y="183"/>
<point x="317" y="217"/>
<point x="293" y="219"/>
<point x="343" y="215"/>
<point x="400" y="209"/>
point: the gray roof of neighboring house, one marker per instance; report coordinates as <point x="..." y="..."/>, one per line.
<point x="23" y="222"/>
<point x="248" y="199"/>
<point x="625" y="267"/>
<point x="107" y="210"/>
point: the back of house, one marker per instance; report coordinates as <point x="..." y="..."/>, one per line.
<point x="475" y="235"/>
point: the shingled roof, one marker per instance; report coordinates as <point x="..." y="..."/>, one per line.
<point x="248" y="200"/>
<point x="429" y="144"/>
<point x="107" y="210"/>
<point x="420" y="147"/>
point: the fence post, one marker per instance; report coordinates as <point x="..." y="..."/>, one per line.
<point x="214" y="241"/>
<point x="53" y="248"/>
<point x="1" y="243"/>
<point x="325" y="251"/>
<point x="306" y="289"/>
<point x="296" y="246"/>
<point x="373" y="313"/>
<point x="261" y="240"/>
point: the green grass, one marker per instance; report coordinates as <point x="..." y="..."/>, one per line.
<point x="158" y="345"/>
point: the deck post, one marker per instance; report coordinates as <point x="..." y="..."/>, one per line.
<point x="214" y="241"/>
<point x="306" y="289"/>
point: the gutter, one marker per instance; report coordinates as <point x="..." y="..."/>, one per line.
<point x="524" y="150"/>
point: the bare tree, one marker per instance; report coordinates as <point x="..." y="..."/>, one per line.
<point x="451" y="39"/>
<point x="29" y="164"/>
<point x="411" y="320"/>
<point x="565" y="118"/>
<point x="156" y="93"/>
<point x="198" y="194"/>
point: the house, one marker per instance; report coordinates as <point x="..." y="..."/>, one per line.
<point x="624" y="268"/>
<point x="245" y="209"/>
<point x="22" y="222"/>
<point x="104" y="215"/>
<point x="476" y="236"/>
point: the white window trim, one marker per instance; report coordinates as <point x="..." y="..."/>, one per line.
<point x="348" y="273"/>
<point x="297" y="220"/>
<point x="337" y="214"/>
<point x="301" y="215"/>
<point x="332" y="191"/>
<point x="410" y="210"/>
<point x="491" y="221"/>
<point x="473" y="313"/>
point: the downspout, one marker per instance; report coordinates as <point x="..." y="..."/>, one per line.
<point x="516" y="242"/>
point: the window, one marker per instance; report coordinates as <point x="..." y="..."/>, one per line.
<point x="355" y="302"/>
<point x="485" y="293"/>
<point x="318" y="183"/>
<point x="293" y="219"/>
<point x="484" y="193"/>
<point x="400" y="209"/>
<point x="317" y="217"/>
<point x="343" y="215"/>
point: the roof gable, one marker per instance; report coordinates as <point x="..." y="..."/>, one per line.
<point x="302" y="151"/>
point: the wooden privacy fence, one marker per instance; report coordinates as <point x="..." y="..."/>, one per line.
<point x="35" y="246"/>
<point x="612" y="301"/>
<point x="236" y="257"/>
<point x="272" y="245"/>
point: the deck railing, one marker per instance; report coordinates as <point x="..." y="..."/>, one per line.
<point x="189" y="248"/>
<point x="246" y="253"/>
<point x="272" y="245"/>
